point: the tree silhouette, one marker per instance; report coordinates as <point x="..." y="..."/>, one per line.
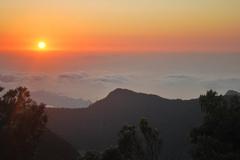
<point x="144" y="145"/>
<point x="218" y="138"/>
<point x="134" y="143"/>
<point x="152" y="140"/>
<point x="129" y="144"/>
<point x="112" y="153"/>
<point x="91" y="155"/>
<point x="22" y="121"/>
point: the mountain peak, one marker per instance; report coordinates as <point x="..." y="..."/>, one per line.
<point x="126" y="93"/>
<point x="232" y="93"/>
<point x="119" y="91"/>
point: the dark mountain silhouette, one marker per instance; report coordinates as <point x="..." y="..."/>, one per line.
<point x="97" y="127"/>
<point x="52" y="147"/>
<point x="232" y="93"/>
<point x="56" y="100"/>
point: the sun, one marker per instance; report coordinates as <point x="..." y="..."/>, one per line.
<point x="42" y="45"/>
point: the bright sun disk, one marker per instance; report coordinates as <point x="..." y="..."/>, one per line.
<point x="41" y="45"/>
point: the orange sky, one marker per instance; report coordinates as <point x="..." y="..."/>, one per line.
<point x="121" y="26"/>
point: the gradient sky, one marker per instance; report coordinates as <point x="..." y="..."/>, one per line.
<point x="121" y="25"/>
<point x="94" y="76"/>
<point x="173" y="48"/>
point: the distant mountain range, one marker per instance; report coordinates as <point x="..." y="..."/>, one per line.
<point x="56" y="100"/>
<point x="232" y="93"/>
<point x="97" y="126"/>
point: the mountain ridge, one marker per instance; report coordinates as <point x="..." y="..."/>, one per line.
<point x="97" y="126"/>
<point x="232" y="93"/>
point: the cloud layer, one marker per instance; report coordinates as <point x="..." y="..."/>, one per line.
<point x="95" y="86"/>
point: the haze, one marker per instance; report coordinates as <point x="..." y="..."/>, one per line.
<point x="176" y="49"/>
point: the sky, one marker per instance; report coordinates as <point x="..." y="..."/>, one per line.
<point x="172" y="48"/>
<point x="121" y="26"/>
<point x="92" y="77"/>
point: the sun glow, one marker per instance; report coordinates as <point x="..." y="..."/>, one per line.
<point x="42" y="45"/>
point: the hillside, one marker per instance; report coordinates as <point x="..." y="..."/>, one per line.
<point x="97" y="127"/>
<point x="52" y="147"/>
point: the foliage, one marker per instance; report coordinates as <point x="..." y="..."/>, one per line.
<point x="218" y="138"/>
<point x="91" y="155"/>
<point x="152" y="140"/>
<point x="144" y="145"/>
<point x="112" y="153"/>
<point x="22" y="121"/>
<point x="141" y="143"/>
<point x="130" y="144"/>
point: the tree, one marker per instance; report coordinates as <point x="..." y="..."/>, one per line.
<point x="112" y="153"/>
<point x="129" y="144"/>
<point x="22" y="122"/>
<point x="152" y="140"/>
<point x="141" y="143"/>
<point x="218" y="138"/>
<point x="91" y="155"/>
<point x="144" y="145"/>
